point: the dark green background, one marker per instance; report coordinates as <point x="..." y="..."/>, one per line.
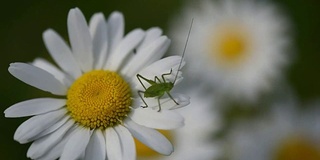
<point x="22" y="24"/>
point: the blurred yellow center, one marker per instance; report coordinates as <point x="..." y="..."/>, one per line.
<point x="145" y="152"/>
<point x="298" y="148"/>
<point x="99" y="99"/>
<point x="229" y="45"/>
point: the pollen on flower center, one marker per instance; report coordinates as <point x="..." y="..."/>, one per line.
<point x="99" y="99"/>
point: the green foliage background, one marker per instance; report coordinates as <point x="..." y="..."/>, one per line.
<point x="22" y="24"/>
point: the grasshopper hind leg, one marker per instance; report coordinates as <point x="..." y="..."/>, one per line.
<point x="172" y="98"/>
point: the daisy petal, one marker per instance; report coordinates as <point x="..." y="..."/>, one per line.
<point x="39" y="147"/>
<point x="98" y="30"/>
<point x="37" y="77"/>
<point x="113" y="145"/>
<point x="151" y="35"/>
<point x="147" y="55"/>
<point x="150" y="137"/>
<point x="61" y="53"/>
<point x="55" y="151"/>
<point x="127" y="143"/>
<point x="57" y="73"/>
<point x="115" y="29"/>
<point x="123" y="49"/>
<point x="96" y="148"/>
<point x="35" y="125"/>
<point x="165" y="119"/>
<point x="34" y="107"/>
<point x="80" y="39"/>
<point x="76" y="145"/>
<point x="162" y="66"/>
<point x="52" y="128"/>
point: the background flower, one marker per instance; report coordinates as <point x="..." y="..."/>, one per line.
<point x="286" y="132"/>
<point x="238" y="48"/>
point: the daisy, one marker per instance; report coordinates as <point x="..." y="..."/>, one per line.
<point x="98" y="111"/>
<point x="286" y="133"/>
<point x="237" y="47"/>
<point x="194" y="140"/>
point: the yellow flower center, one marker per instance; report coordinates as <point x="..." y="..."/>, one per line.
<point x="298" y="148"/>
<point x="99" y="99"/>
<point x="229" y="45"/>
<point x="145" y="152"/>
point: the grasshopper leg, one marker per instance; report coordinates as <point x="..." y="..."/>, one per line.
<point x="139" y="76"/>
<point x="159" y="103"/>
<point x="172" y="98"/>
<point x="139" y="93"/>
<point x="166" y="74"/>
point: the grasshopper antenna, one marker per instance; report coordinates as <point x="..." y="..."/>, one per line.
<point x="184" y="51"/>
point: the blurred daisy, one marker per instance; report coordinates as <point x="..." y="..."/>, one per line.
<point x="100" y="110"/>
<point x="194" y="140"/>
<point x="238" y="47"/>
<point x="284" y="134"/>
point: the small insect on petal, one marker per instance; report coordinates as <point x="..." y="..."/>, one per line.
<point x="158" y="87"/>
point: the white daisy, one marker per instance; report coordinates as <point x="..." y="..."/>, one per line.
<point x="237" y="47"/>
<point x="194" y="140"/>
<point x="285" y="133"/>
<point x="99" y="110"/>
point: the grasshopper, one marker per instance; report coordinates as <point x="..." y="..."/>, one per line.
<point x="160" y="86"/>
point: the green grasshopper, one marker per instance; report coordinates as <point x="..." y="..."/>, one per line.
<point x="159" y="87"/>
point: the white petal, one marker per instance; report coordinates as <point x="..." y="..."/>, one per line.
<point x="55" y="152"/>
<point x="162" y="66"/>
<point x="61" y="53"/>
<point x="80" y="39"/>
<point x="37" y="77"/>
<point x="57" y="73"/>
<point x="96" y="149"/>
<point x="34" y="107"/>
<point x="147" y="55"/>
<point x="127" y="143"/>
<point x="115" y="29"/>
<point x="123" y="49"/>
<point x="150" y="137"/>
<point x="43" y="145"/>
<point x="165" y="119"/>
<point x="76" y="145"/>
<point x="113" y="144"/>
<point x="98" y="30"/>
<point x="35" y="125"/>
<point x="52" y="128"/>
<point x="151" y="35"/>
